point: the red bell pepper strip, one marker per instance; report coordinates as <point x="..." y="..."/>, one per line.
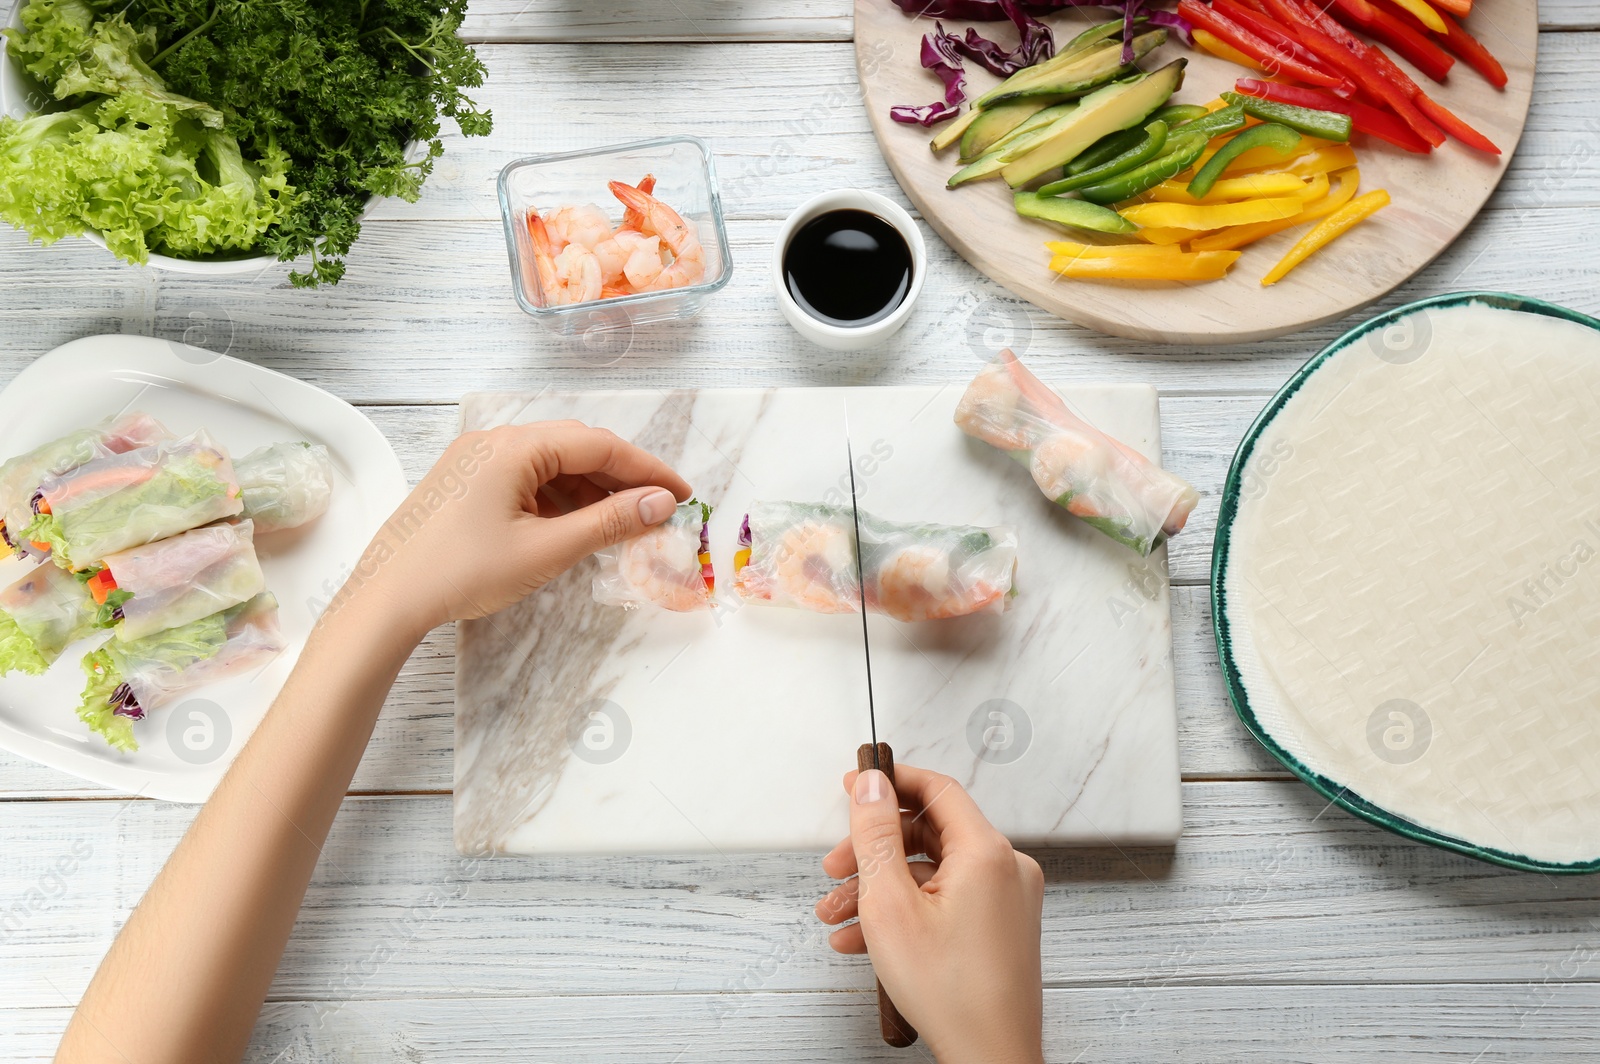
<point x="1274" y="60"/>
<point x="1458" y="40"/>
<point x="1454" y="125"/>
<point x="1415" y="47"/>
<point x="1367" y="119"/>
<point x="1366" y="66"/>
<point x="1274" y="34"/>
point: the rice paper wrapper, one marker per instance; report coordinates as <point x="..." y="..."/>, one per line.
<point x="1078" y="467"/>
<point x="40" y="615"/>
<point x="802" y="555"/>
<point x="127" y="500"/>
<point x="161" y="668"/>
<point x="668" y="567"/>
<point x="191" y="575"/>
<point x="285" y="485"/>
<point x="21" y="476"/>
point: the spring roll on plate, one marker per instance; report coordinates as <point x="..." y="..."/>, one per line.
<point x="131" y="499"/>
<point x="285" y="485"/>
<point x="169" y="583"/>
<point x="127" y="680"/>
<point x="21" y="476"/>
<point x="668" y="567"/>
<point x="40" y="615"/>
<point x="803" y="555"/>
<point x="1106" y="483"/>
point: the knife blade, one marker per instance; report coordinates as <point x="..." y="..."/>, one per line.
<point x="894" y="1027"/>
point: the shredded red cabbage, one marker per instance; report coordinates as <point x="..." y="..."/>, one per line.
<point x="939" y="55"/>
<point x="124" y="704"/>
<point x="745" y="538"/>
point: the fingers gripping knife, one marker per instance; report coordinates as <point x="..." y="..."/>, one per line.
<point x="896" y="1030"/>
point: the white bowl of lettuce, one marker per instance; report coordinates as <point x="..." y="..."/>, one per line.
<point x="223" y="203"/>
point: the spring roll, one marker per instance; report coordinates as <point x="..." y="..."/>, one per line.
<point x="169" y="583"/>
<point x="285" y="485"/>
<point x="128" y="500"/>
<point x="803" y="555"/>
<point x="40" y="615"/>
<point x="668" y="567"/>
<point x="130" y="679"/>
<point x="21" y="476"/>
<point x="1094" y="477"/>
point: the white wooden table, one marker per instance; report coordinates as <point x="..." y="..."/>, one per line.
<point x="1279" y="930"/>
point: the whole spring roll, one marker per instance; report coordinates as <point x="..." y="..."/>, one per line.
<point x="129" y="679"/>
<point x="1106" y="483"/>
<point x="169" y="583"/>
<point x="131" y="499"/>
<point x="668" y="567"/>
<point x="803" y="555"/>
<point x="21" y="476"/>
<point x="40" y="615"/>
<point x="285" y="485"/>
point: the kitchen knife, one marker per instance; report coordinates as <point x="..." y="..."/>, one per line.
<point x="896" y="1030"/>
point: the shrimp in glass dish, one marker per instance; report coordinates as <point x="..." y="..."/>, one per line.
<point x="667" y="567"/>
<point x="571" y="274"/>
<point x="688" y="266"/>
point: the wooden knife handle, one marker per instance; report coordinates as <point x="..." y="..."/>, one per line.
<point x="897" y="1031"/>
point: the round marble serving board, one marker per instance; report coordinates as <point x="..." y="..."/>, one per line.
<point x="1435" y="196"/>
<point x="1404" y="580"/>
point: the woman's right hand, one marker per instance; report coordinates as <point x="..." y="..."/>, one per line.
<point x="955" y="939"/>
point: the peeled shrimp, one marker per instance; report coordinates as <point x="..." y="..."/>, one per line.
<point x="688" y="266"/>
<point x="663" y="567"/>
<point x="814" y="569"/>
<point x="631" y="219"/>
<point x="916" y="583"/>
<point x="613" y="253"/>
<point x="586" y="225"/>
<point x="570" y="276"/>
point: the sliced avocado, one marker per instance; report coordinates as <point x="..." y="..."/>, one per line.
<point x="952" y="132"/>
<point x="989" y="163"/>
<point x="1094" y="35"/>
<point x="1072" y="213"/>
<point x="1094" y="55"/>
<point x="990" y="129"/>
<point x="1084" y="74"/>
<point x="1104" y="111"/>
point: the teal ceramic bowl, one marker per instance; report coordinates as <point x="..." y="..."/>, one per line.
<point x="1346" y="794"/>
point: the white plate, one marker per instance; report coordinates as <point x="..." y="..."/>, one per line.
<point x="185" y="749"/>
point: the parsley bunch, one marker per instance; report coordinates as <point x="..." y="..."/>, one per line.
<point x="341" y="87"/>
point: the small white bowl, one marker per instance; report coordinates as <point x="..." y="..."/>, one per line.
<point x="840" y="337"/>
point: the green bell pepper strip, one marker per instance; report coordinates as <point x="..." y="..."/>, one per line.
<point x="1155" y="138"/>
<point x="1329" y="125"/>
<point x="1178" y="113"/>
<point x="1225" y="120"/>
<point x="1281" y="139"/>
<point x="1180" y="154"/>
<point x="1106" y="148"/>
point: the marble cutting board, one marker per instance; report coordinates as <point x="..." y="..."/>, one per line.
<point x="583" y="728"/>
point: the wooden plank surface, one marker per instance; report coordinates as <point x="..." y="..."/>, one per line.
<point x="1268" y="886"/>
<point x="1507" y="1023"/>
<point x="1276" y="931"/>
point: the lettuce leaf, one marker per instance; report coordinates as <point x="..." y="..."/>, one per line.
<point x="96" y="708"/>
<point x="112" y="61"/>
<point x="18" y="653"/>
<point x="45" y="530"/>
<point x="53" y="33"/>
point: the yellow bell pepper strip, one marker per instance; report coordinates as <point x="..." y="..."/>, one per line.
<point x="1223" y="50"/>
<point x="1155" y="235"/>
<point x="1279" y="139"/>
<point x="1259" y="159"/>
<point x="1139" y="262"/>
<point x="1324" y="160"/>
<point x="1239" y="235"/>
<point x="1326" y="232"/>
<point x="1251" y="186"/>
<point x="1425" y="14"/>
<point x="1212" y="215"/>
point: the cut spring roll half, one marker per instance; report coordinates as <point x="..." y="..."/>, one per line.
<point x="668" y="567"/>
<point x="285" y="485"/>
<point x="1093" y="476"/>
<point x="21" y="476"/>
<point x="40" y="615"/>
<point x="127" y="680"/>
<point x="131" y="499"/>
<point x="802" y="555"/>
<point x="169" y="583"/>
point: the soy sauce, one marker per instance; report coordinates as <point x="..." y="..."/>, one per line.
<point x="848" y="268"/>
